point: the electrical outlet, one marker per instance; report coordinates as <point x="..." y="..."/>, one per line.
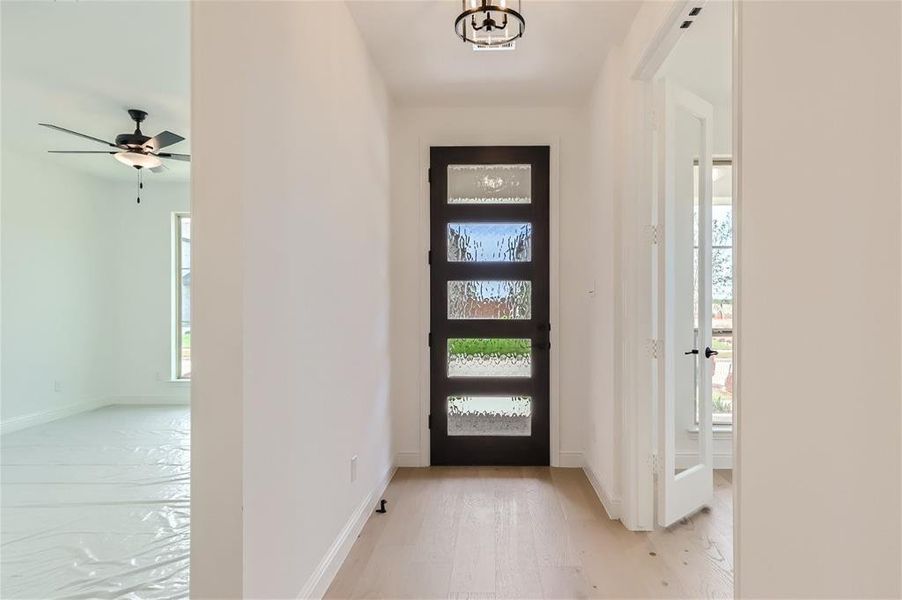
<point x="353" y="468"/>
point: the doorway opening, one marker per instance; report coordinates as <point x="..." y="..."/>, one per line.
<point x="95" y="417"/>
<point x="490" y="305"/>
<point x="693" y="214"/>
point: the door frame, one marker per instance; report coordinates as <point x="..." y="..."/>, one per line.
<point x="533" y="449"/>
<point x="424" y="386"/>
<point x="640" y="435"/>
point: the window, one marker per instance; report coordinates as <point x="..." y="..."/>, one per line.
<point x="182" y="251"/>
<point x="722" y="293"/>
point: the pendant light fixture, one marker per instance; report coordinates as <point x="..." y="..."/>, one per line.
<point x="489" y="23"/>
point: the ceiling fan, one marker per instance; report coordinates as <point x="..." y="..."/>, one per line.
<point x="133" y="149"/>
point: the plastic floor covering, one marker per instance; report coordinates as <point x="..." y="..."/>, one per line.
<point x="97" y="506"/>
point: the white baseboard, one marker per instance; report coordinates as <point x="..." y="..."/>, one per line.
<point x="611" y="504"/>
<point x="577" y="460"/>
<point x="40" y="418"/>
<point x="407" y="459"/>
<point x="46" y="416"/>
<point x="148" y="400"/>
<point x="570" y="459"/>
<point x="322" y="577"/>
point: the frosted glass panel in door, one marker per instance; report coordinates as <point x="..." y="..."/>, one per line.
<point x="489" y="184"/>
<point x="489" y="415"/>
<point x="489" y="357"/>
<point x="477" y="299"/>
<point x="489" y="242"/>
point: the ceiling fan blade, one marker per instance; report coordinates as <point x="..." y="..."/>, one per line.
<point x="81" y="152"/>
<point x="159" y="169"/>
<point x="163" y="139"/>
<point x="184" y="157"/>
<point x="87" y="137"/>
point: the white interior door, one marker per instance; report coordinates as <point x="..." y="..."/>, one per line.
<point x="686" y="478"/>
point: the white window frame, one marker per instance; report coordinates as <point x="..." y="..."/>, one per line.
<point x="177" y="225"/>
<point x="719" y="161"/>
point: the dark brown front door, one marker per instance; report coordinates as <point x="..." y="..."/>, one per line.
<point x="490" y="328"/>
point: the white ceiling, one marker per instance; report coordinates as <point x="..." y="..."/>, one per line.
<point x="80" y="65"/>
<point x="555" y="63"/>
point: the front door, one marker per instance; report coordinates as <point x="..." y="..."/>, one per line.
<point x="490" y="328"/>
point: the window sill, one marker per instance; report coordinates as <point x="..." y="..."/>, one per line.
<point x="178" y="381"/>
<point x="719" y="431"/>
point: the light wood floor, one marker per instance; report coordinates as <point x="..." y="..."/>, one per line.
<point x="483" y="533"/>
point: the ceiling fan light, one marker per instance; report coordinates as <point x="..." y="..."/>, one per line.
<point x="138" y="159"/>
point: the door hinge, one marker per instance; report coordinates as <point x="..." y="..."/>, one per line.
<point x="429" y="421"/>
<point x="429" y="175"/>
<point x="429" y="257"/>
<point x="429" y="339"/>
<point x="654" y="461"/>
<point x="655" y="348"/>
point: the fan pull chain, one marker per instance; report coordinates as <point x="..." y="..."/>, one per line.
<point x="140" y="184"/>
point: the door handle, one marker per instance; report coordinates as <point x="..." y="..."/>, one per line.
<point x="709" y="352"/>
<point x="693" y="351"/>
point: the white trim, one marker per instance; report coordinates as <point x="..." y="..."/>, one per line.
<point x="54" y="414"/>
<point x="318" y="583"/>
<point x="147" y="401"/>
<point x="737" y="293"/>
<point x="688" y="458"/>
<point x="719" y="433"/>
<point x="407" y="459"/>
<point x="176" y="296"/>
<point x="46" y="416"/>
<point x="571" y="459"/>
<point x="610" y="503"/>
<point x="577" y="460"/>
<point x="554" y="143"/>
<point x="665" y="40"/>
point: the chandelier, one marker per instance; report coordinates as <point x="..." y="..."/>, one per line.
<point x="489" y="23"/>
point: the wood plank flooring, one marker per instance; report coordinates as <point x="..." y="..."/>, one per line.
<point x="481" y="533"/>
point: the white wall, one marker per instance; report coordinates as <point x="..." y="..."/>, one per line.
<point x="603" y="415"/>
<point x="413" y="130"/>
<point x="86" y="273"/>
<point x="291" y="233"/>
<point x="141" y="250"/>
<point x="87" y="290"/>
<point x="57" y="320"/>
<point x="617" y="449"/>
<point x="819" y="392"/>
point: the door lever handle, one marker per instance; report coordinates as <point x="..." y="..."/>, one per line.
<point x="709" y="352"/>
<point x="693" y="351"/>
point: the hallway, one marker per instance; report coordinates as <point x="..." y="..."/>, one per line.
<point x="529" y="533"/>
